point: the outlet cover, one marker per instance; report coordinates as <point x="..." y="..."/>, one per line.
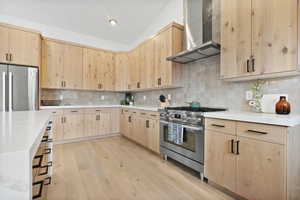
<point x="169" y="97"/>
<point x="249" y="95"/>
<point x="145" y="98"/>
<point x="102" y="97"/>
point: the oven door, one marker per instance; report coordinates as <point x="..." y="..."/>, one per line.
<point x="192" y="145"/>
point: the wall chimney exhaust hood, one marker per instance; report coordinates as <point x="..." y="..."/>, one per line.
<point x="199" y="26"/>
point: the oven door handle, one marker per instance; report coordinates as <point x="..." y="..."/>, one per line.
<point x="193" y="128"/>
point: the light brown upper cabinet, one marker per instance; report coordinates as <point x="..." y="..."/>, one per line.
<point x="121" y="71"/>
<point x="134" y="67"/>
<point x="62" y="65"/>
<point x="106" y="74"/>
<point x="91" y="65"/>
<point x="259" y="39"/>
<point x="168" y="42"/>
<point x="20" y="46"/>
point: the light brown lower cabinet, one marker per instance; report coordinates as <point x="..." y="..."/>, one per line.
<point x="79" y="123"/>
<point x="255" y="161"/>
<point x="141" y="127"/>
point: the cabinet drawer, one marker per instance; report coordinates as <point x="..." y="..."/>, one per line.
<point x="264" y="132"/>
<point x="224" y="126"/>
<point x="73" y="111"/>
<point x="57" y="112"/>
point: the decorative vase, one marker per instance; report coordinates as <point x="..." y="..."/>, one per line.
<point x="283" y="107"/>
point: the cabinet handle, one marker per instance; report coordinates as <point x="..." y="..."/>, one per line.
<point x="259" y="132"/>
<point x="62" y="84"/>
<point x="62" y="120"/>
<point x="138" y="85"/>
<point x="98" y="110"/>
<point x="159" y="81"/>
<point x="237" y="147"/>
<point x="39" y="194"/>
<point x="147" y="124"/>
<point x="10" y="57"/>
<point x="217" y="125"/>
<point x="253" y="64"/>
<point x="248" y="64"/>
<point x="232" y="146"/>
<point x="6" y="57"/>
<point x="143" y="113"/>
<point x="129" y="119"/>
<point x="74" y="111"/>
<point x="129" y="86"/>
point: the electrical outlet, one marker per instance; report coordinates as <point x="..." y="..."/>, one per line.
<point x="169" y="97"/>
<point x="249" y="95"/>
<point x="145" y="98"/>
<point x="102" y="97"/>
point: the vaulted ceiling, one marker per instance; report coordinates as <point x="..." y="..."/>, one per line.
<point x="89" y="17"/>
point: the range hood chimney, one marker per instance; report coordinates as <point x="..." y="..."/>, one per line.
<point x="199" y="36"/>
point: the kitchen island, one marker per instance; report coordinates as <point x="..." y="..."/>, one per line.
<point x="20" y="136"/>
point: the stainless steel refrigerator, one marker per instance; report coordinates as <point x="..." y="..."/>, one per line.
<point x="19" y="88"/>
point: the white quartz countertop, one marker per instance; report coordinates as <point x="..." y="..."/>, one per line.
<point x="20" y="135"/>
<point x="264" y="118"/>
<point x="100" y="106"/>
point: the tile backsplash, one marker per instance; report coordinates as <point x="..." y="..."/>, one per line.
<point x="201" y="83"/>
<point x="73" y="97"/>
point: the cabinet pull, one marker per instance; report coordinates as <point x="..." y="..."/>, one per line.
<point x="253" y="64"/>
<point x="258" y="132"/>
<point x="232" y="146"/>
<point x="10" y="57"/>
<point x="237" y="147"/>
<point x="217" y="125"/>
<point x="62" y="120"/>
<point x="47" y="169"/>
<point x="143" y="113"/>
<point x="39" y="194"/>
<point x="138" y="84"/>
<point x="248" y="64"/>
<point x="74" y="111"/>
<point x="40" y="157"/>
<point x="62" y="84"/>
<point x="6" y="57"/>
<point x="159" y="81"/>
<point x="129" y="119"/>
<point x="49" y="180"/>
<point x="147" y="124"/>
<point x="98" y="110"/>
<point x="128" y="86"/>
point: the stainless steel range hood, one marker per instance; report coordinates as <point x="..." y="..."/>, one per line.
<point x="200" y="40"/>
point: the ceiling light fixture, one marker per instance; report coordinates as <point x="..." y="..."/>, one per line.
<point x="113" y="22"/>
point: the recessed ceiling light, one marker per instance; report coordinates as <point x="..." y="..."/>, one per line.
<point x="113" y="22"/>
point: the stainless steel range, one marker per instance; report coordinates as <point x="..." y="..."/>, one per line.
<point x="182" y="135"/>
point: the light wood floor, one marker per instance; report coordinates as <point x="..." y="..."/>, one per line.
<point x="117" y="169"/>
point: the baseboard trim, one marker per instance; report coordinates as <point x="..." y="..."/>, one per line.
<point x="85" y="138"/>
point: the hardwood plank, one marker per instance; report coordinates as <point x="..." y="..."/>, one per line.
<point x="116" y="168"/>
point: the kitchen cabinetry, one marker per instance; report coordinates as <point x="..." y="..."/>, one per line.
<point x="81" y="123"/>
<point x="257" y="42"/>
<point x="19" y="46"/>
<point x="141" y="127"/>
<point x="91" y="65"/>
<point x="167" y="43"/>
<point x="255" y="159"/>
<point x="62" y="65"/>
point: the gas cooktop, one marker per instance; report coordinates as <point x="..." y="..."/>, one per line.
<point x="190" y="109"/>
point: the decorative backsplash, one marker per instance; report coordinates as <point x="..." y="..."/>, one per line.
<point x="73" y="97"/>
<point x="201" y="83"/>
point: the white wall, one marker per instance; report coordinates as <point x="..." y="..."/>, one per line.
<point x="172" y="12"/>
<point x="58" y="33"/>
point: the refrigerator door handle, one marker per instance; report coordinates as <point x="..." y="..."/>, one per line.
<point x="10" y="82"/>
<point x="4" y="92"/>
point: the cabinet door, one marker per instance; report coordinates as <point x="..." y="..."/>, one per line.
<point x="143" y="126"/>
<point x="108" y="71"/>
<point x="104" y="126"/>
<point x="57" y="127"/>
<point x="260" y="170"/>
<point x="134" y="69"/>
<point x="90" y="63"/>
<point x="121" y="71"/>
<point x="90" y="124"/>
<point x="123" y="124"/>
<point x="275" y="35"/>
<point x="53" y="64"/>
<point x="235" y="37"/>
<point x="25" y="47"/>
<point x="4" y="44"/>
<point x="153" y="135"/>
<point x="115" y="120"/>
<point x="220" y="163"/>
<point x="141" y="62"/>
<point x="73" y="126"/>
<point x="148" y="68"/>
<point x="163" y="49"/>
<point x="73" y="67"/>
